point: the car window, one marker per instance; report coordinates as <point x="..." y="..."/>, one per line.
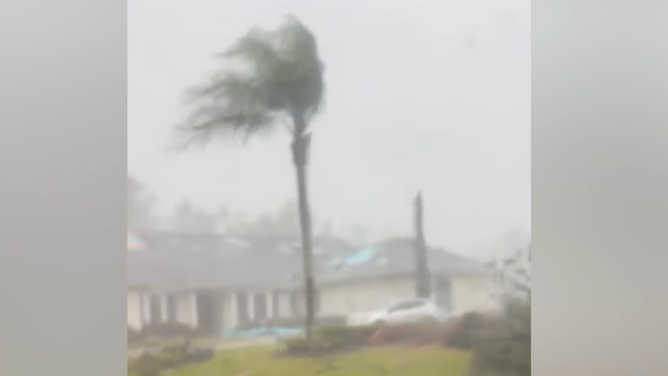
<point x="406" y="305"/>
<point x="417" y="304"/>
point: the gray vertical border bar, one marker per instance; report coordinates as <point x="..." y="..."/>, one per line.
<point x="599" y="116"/>
<point x="62" y="188"/>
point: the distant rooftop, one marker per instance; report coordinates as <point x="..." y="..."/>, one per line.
<point x="182" y="261"/>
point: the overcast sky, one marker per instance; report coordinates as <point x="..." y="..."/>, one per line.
<point x="422" y="94"/>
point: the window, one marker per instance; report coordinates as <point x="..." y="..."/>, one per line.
<point x="402" y="306"/>
<point x="295" y="304"/>
<point x="171" y="308"/>
<point x="242" y="308"/>
<point x="276" y="307"/>
<point x="260" y="305"/>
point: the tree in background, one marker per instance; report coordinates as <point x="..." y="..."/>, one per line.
<point x="281" y="83"/>
<point x="504" y="348"/>
<point x="141" y="203"/>
<point x="189" y="218"/>
<point x="285" y="221"/>
<point x="327" y="229"/>
<point x="359" y="234"/>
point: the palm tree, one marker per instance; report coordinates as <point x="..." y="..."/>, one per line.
<point x="279" y="83"/>
<point x="423" y="282"/>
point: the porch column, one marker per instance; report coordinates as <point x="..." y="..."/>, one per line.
<point x="250" y="297"/>
<point x="270" y="304"/>
<point x="146" y="308"/>
<point x="284" y="309"/>
<point x="134" y="310"/>
<point x="193" y="310"/>
<point x="164" y="315"/>
<point x="237" y="306"/>
<point x="232" y="312"/>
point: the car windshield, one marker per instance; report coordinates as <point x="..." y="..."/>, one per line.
<point x="406" y="304"/>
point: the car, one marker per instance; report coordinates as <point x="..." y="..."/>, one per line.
<point x="404" y="311"/>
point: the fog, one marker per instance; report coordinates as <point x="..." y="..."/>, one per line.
<point x="421" y="95"/>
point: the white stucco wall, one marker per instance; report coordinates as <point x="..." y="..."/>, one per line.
<point x="284" y="309"/>
<point x="186" y="308"/>
<point x="468" y="294"/>
<point x="134" y="310"/>
<point x="230" y="312"/>
<point x="364" y="296"/>
<point x="473" y="294"/>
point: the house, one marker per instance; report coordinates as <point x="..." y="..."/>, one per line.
<point x="216" y="282"/>
<point x="373" y="277"/>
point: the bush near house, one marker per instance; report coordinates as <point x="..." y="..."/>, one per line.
<point x="410" y="335"/>
<point x="168" y="358"/>
<point x="133" y="335"/>
<point x="463" y="332"/>
<point x="457" y="333"/>
<point x="331" y="339"/>
<point x="293" y="322"/>
<point x="161" y="331"/>
<point x="504" y="347"/>
<point x="168" y="330"/>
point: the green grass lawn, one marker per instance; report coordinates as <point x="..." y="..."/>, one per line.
<point x="262" y="361"/>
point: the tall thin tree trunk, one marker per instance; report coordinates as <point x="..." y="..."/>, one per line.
<point x="300" y="149"/>
<point x="422" y="275"/>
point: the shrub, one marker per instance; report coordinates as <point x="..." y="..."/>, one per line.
<point x="133" y="335"/>
<point x="199" y="355"/>
<point x="419" y="334"/>
<point x="168" y="330"/>
<point x="343" y="338"/>
<point x="299" y="346"/>
<point x="330" y="339"/>
<point x="145" y="365"/>
<point x="504" y="347"/>
<point x="168" y="358"/>
<point x="296" y="345"/>
<point x="173" y="356"/>
<point x="346" y="335"/>
<point x="462" y="332"/>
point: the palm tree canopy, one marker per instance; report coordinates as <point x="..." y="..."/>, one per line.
<point x="280" y="76"/>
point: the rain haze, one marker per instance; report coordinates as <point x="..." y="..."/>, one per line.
<point x="420" y="96"/>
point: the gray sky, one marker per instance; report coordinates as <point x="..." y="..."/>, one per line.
<point x="422" y="94"/>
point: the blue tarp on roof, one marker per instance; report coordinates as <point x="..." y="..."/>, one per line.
<point x="361" y="257"/>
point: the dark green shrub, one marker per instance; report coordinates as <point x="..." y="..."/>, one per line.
<point x="145" y="365"/>
<point x="168" y="358"/>
<point x="504" y="347"/>
<point x="427" y="333"/>
<point x="199" y="355"/>
<point x="464" y="331"/>
<point x="168" y="330"/>
<point x="296" y="345"/>
<point x="346" y="335"/>
<point x="133" y="335"/>
<point x="330" y="339"/>
<point x="299" y="346"/>
<point x="172" y="357"/>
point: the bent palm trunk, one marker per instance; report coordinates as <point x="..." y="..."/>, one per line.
<point x="300" y="148"/>
<point x="423" y="277"/>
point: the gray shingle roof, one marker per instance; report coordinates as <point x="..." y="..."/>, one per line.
<point x="394" y="257"/>
<point x="174" y="261"/>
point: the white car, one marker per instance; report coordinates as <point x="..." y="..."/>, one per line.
<point x="405" y="311"/>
